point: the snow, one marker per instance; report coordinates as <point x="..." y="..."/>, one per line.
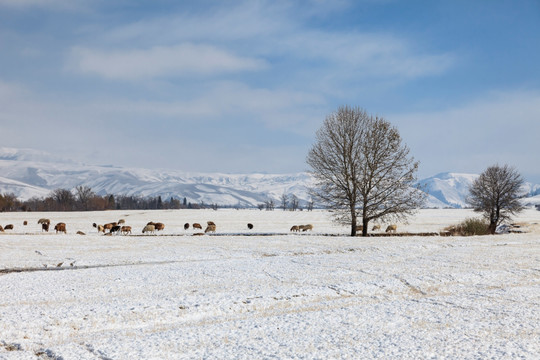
<point x="272" y="294"/>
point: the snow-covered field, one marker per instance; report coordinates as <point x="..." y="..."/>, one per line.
<point x="270" y="295"/>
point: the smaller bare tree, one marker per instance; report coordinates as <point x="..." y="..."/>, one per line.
<point x="496" y="193"/>
<point x="284" y="201"/>
<point x="294" y="202"/>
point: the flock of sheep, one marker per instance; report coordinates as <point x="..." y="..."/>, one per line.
<point x="390" y="228"/>
<point x="116" y="227"/>
<point x="152" y="227"/>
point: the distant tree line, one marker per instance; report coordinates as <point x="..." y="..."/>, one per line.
<point x="84" y="199"/>
<point x="288" y="202"/>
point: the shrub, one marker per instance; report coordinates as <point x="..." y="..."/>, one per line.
<point x="469" y="227"/>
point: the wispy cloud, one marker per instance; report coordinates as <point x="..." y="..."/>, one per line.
<point x="179" y="60"/>
<point x="270" y="30"/>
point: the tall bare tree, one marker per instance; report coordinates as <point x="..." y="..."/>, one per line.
<point x="496" y="193"/>
<point x="362" y="170"/>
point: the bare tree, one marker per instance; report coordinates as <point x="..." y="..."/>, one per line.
<point x="64" y="198"/>
<point x="496" y="194"/>
<point x="284" y="201"/>
<point x="269" y="204"/>
<point x="362" y="170"/>
<point x="310" y="205"/>
<point x="294" y="202"/>
<point x="84" y="194"/>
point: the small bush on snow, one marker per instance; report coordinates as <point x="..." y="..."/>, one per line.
<point x="469" y="227"/>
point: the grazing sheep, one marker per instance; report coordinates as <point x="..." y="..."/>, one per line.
<point x="307" y="227"/>
<point x="43" y="221"/>
<point x="101" y="228"/>
<point x="250" y="226"/>
<point x="45" y="227"/>
<point x="1" y="228"/>
<point x="60" y="227"/>
<point x="80" y="233"/>
<point x="391" y="228"/>
<point x="210" y="223"/>
<point x="126" y="229"/>
<point x="8" y="227"/>
<point x="197" y="226"/>
<point x="115" y="229"/>
<point x="25" y="223"/>
<point x="109" y="226"/>
<point x="295" y="228"/>
<point x="149" y="228"/>
<point x="121" y="221"/>
<point x="94" y="225"/>
<point x="159" y="226"/>
<point x="376" y="227"/>
<point x="186" y="226"/>
<point x="151" y="223"/>
<point x="210" y="228"/>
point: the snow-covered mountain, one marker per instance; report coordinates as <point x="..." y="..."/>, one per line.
<point x="447" y="189"/>
<point x="27" y="173"/>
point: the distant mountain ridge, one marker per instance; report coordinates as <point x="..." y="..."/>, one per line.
<point x="30" y="173"/>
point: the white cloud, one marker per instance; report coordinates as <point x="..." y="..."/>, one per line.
<point x="274" y="29"/>
<point x="501" y="127"/>
<point x="159" y="61"/>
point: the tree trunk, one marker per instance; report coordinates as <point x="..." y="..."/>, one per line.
<point x="492" y="227"/>
<point x="353" y="221"/>
<point x="365" y="223"/>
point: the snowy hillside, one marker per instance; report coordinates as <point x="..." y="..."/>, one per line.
<point x="28" y="173"/>
<point x="450" y="189"/>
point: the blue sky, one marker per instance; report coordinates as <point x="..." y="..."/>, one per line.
<point x="242" y="86"/>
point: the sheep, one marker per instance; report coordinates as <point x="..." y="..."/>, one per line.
<point x="295" y="228"/>
<point x="80" y="233"/>
<point x="197" y="226"/>
<point x="60" y="227"/>
<point x="210" y="223"/>
<point x="45" y="227"/>
<point x="159" y="226"/>
<point x="121" y="221"/>
<point x="43" y="221"/>
<point x="376" y="227"/>
<point x="25" y="223"/>
<point x="250" y="226"/>
<point x="1" y="228"/>
<point x="8" y="227"/>
<point x="186" y="226"/>
<point x="210" y="228"/>
<point x="109" y="226"/>
<point x="94" y="225"/>
<point x="126" y="230"/>
<point x="115" y="229"/>
<point x="391" y="228"/>
<point x="149" y="228"/>
<point x="307" y="227"/>
<point x="101" y="228"/>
